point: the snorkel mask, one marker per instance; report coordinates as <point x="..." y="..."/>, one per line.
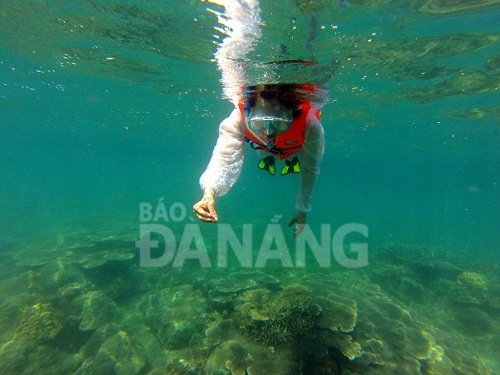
<point x="269" y="121"/>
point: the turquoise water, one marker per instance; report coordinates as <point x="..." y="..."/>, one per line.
<point x="107" y="105"/>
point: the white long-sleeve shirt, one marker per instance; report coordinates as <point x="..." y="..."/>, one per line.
<point x="226" y="163"/>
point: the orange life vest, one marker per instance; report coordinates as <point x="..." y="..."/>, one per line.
<point x="285" y="144"/>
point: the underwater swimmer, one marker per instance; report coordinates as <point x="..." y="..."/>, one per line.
<point x="279" y="123"/>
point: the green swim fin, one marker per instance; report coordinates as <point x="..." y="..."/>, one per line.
<point x="267" y="164"/>
<point x="291" y="166"/>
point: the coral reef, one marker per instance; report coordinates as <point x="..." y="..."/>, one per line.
<point x="23" y="356"/>
<point x="98" y="310"/>
<point x="276" y="318"/>
<point x="230" y="285"/>
<point x="117" y="355"/>
<point x="413" y="312"/>
<point x="110" y="351"/>
<point x="84" y="250"/>
<point x="177" y="335"/>
<point x="336" y="316"/>
<point x="471" y="288"/>
<point x="229" y="358"/>
<point x="39" y="323"/>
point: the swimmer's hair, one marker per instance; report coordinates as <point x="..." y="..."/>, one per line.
<point x="291" y="95"/>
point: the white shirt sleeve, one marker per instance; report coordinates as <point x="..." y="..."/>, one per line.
<point x="310" y="159"/>
<point x="226" y="163"/>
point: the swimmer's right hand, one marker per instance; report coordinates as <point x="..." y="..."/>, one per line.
<point x="205" y="208"/>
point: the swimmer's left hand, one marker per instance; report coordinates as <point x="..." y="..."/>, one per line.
<point x="300" y="220"/>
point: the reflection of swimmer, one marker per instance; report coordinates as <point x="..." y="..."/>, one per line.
<point x="280" y="123"/>
<point x="343" y="3"/>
